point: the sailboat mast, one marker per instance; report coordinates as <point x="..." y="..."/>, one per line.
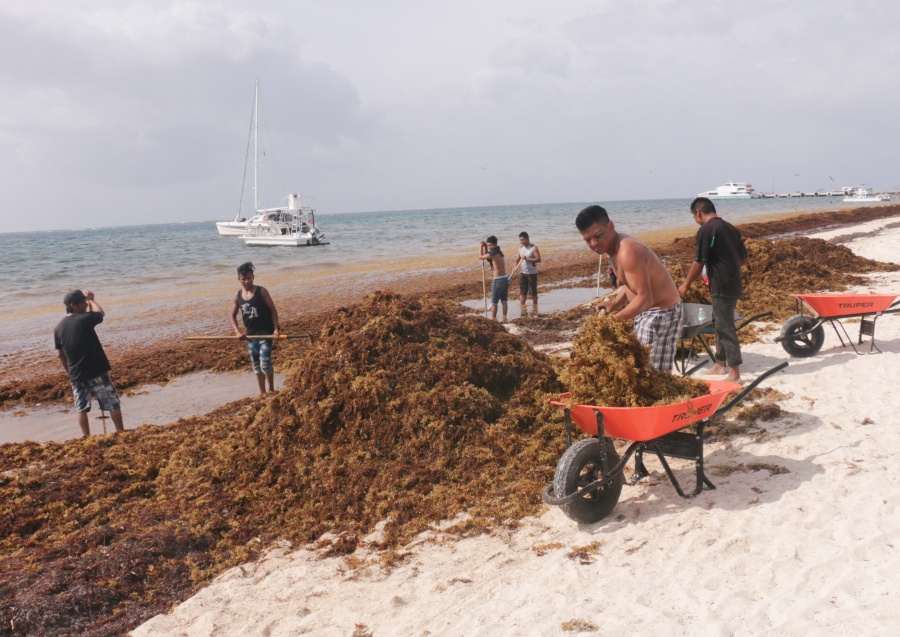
<point x="255" y="147"/>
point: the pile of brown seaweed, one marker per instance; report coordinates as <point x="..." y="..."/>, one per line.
<point x="402" y="412"/>
<point x="611" y="367"/>
<point x="799" y="265"/>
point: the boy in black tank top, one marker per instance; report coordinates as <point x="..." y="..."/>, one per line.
<point x="260" y="319"/>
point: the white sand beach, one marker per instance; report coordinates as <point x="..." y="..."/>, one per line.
<point x="800" y="537"/>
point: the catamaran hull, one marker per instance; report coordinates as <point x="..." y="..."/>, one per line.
<point x="293" y="240"/>
<point x="872" y="199"/>
<point x="231" y="228"/>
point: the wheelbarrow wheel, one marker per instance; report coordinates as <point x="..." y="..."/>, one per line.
<point x="798" y="344"/>
<point x="580" y="465"/>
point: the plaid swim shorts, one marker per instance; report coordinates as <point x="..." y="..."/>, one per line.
<point x="101" y="387"/>
<point x="660" y="330"/>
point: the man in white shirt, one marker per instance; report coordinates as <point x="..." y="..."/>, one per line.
<point x="529" y="257"/>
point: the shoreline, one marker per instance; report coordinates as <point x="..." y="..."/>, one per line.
<point x="136" y="331"/>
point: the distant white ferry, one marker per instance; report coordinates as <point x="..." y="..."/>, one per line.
<point x="863" y="194"/>
<point x="731" y="190"/>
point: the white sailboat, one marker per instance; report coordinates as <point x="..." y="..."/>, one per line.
<point x="293" y="224"/>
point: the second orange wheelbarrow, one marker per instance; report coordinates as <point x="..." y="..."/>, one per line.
<point x="589" y="476"/>
<point x="802" y="335"/>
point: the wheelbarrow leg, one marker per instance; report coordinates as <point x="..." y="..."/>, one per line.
<point x="867" y="328"/>
<point x="640" y="471"/>
<point x="687" y="447"/>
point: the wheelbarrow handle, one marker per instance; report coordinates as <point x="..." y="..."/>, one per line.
<point x="734" y="401"/>
<point x="755" y="317"/>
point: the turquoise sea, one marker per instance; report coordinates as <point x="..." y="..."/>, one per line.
<point x="164" y="281"/>
<point x="41" y="266"/>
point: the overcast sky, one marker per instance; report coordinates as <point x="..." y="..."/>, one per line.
<point x="119" y="113"/>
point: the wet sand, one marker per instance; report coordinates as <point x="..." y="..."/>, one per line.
<point x="187" y="396"/>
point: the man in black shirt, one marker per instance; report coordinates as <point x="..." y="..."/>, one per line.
<point x="84" y="360"/>
<point x="260" y="318"/>
<point x="721" y="249"/>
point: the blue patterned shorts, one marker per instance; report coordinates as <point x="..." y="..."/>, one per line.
<point x="260" y="350"/>
<point x="101" y="387"/>
<point x="660" y="330"/>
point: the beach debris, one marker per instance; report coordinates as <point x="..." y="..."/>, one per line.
<point x="578" y="626"/>
<point x="610" y="367"/>
<point x="403" y="411"/>
<point x="585" y="554"/>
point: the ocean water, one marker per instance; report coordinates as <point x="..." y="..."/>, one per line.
<point x="141" y="260"/>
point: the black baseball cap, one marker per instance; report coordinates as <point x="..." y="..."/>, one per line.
<point x="72" y="298"/>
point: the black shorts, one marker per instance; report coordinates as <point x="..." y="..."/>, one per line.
<point x="528" y="284"/>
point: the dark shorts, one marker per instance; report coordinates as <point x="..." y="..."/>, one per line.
<point x="528" y="285"/>
<point x="101" y="387"/>
<point x="500" y="290"/>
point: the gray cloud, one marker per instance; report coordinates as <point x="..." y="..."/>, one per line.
<point x="467" y="104"/>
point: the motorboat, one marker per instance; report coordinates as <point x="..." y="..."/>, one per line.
<point x="291" y="226"/>
<point x="731" y="190"/>
<point x="864" y="194"/>
<point x="294" y="218"/>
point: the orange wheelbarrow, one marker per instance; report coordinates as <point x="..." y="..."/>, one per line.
<point x="802" y="335"/>
<point x="589" y="476"/>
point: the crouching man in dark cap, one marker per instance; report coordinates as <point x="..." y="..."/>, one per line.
<point x="84" y="360"/>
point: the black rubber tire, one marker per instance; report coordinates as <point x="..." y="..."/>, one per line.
<point x="805" y="345"/>
<point x="579" y="466"/>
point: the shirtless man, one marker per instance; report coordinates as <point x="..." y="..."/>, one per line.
<point x="645" y="287"/>
<point x="491" y="253"/>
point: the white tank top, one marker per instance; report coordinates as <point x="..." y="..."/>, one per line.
<point x="528" y="267"/>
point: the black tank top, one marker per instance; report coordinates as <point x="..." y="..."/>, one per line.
<point x="256" y="314"/>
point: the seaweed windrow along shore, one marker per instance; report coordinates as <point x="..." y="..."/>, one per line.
<point x="161" y="361"/>
<point x="403" y="412"/>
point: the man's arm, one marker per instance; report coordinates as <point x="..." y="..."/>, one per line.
<point x="235" y="308"/>
<point x="537" y="255"/>
<point x="93" y="306"/>
<point x="633" y="265"/>
<point x="271" y="305"/>
<point x="483" y="252"/>
<point x="63" y="360"/>
<point x="693" y="274"/>
<point x="611" y="304"/>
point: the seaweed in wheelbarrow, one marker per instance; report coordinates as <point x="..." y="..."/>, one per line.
<point x="610" y="367"/>
<point x="615" y="393"/>
<point x="589" y="476"/>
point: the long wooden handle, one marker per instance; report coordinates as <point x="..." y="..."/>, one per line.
<point x="226" y="338"/>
